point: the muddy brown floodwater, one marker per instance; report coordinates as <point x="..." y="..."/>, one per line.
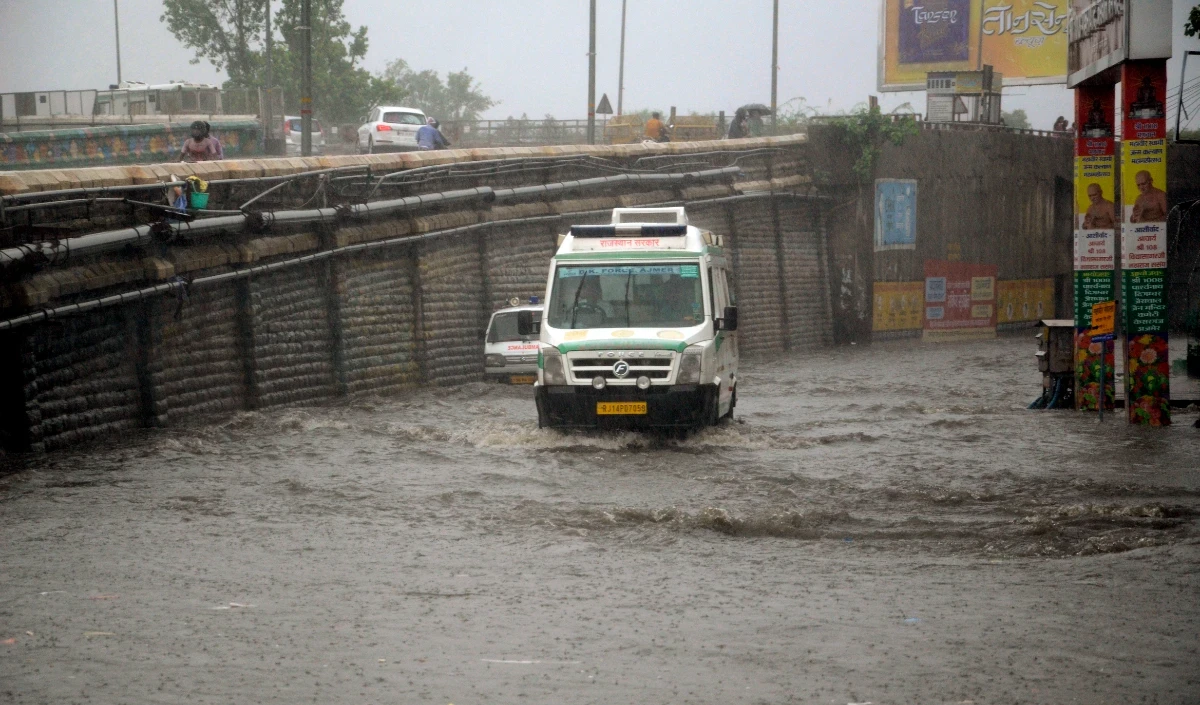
<point x="883" y="524"/>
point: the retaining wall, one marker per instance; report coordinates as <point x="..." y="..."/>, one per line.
<point x="407" y="312"/>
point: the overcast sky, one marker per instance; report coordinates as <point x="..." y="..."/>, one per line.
<point x="531" y="55"/>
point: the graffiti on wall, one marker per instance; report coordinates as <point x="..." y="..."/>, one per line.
<point x="119" y="144"/>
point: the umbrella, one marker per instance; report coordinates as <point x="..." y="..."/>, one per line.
<point x="753" y="109"/>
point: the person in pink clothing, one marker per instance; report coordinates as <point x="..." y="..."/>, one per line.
<point x="200" y="147"/>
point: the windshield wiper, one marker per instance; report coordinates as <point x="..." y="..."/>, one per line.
<point x="575" y="303"/>
<point x="628" y="283"/>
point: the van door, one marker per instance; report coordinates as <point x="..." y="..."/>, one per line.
<point x="727" y="353"/>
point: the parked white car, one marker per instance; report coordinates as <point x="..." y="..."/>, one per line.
<point x="390" y="129"/>
<point x="293" y="134"/>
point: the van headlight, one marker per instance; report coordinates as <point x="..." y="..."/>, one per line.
<point x="493" y="361"/>
<point x="552" y="367"/>
<point x="689" y="367"/>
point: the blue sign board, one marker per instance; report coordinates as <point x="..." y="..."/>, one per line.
<point x="895" y="214"/>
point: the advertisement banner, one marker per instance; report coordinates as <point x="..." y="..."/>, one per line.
<point x="1090" y="289"/>
<point x="1024" y="300"/>
<point x="895" y="214"/>
<point x="960" y="301"/>
<point x="1143" y="241"/>
<point x="898" y="306"/>
<point x="1023" y="40"/>
<point x="1096" y="223"/>
<point x="1087" y="371"/>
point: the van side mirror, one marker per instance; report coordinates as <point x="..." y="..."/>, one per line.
<point x="526" y="325"/>
<point x="728" y="321"/>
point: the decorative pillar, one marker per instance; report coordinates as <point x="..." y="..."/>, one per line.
<point x="1144" y="241"/>
<point x="1096" y="222"/>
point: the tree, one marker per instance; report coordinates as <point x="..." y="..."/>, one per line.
<point x="1192" y="27"/>
<point x="341" y="88"/>
<point x="458" y="98"/>
<point x="1016" y="118"/>
<point x="222" y="32"/>
<point x="229" y="34"/>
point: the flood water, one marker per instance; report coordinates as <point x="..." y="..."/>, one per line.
<point x="885" y="524"/>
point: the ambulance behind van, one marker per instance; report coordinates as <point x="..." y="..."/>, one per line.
<point x="639" y="328"/>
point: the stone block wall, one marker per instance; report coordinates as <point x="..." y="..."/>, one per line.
<point x="291" y="319"/>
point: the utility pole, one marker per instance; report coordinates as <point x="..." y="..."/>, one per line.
<point x="774" y="68"/>
<point x="621" y="73"/>
<point x="117" y="27"/>
<point x="269" y="111"/>
<point x="591" y="126"/>
<point x="306" y="79"/>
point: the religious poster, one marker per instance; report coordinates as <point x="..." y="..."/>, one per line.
<point x="1144" y="211"/>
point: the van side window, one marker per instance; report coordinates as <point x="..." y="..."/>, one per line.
<point x="730" y="299"/>
<point x="714" y="298"/>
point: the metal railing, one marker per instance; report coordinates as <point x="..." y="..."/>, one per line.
<point x="61" y="108"/>
<point x="516" y="132"/>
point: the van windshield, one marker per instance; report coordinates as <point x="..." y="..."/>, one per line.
<point x="627" y="296"/>
<point x="504" y="327"/>
<point x="403" y="119"/>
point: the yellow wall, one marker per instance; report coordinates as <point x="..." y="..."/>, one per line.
<point x="900" y="305"/>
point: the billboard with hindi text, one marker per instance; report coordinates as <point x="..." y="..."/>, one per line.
<point x="1024" y="40"/>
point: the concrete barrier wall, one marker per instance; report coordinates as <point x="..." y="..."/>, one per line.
<point x="119" y="144"/>
<point x="373" y="322"/>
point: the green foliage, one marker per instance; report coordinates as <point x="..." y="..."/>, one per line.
<point x="1016" y="118"/>
<point x="222" y="33"/>
<point x="340" y="86"/>
<point x="230" y="35"/>
<point x="794" y="114"/>
<point x="458" y="98"/>
<point x="865" y="131"/>
<point x="1192" y="27"/>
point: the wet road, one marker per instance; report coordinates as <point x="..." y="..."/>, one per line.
<point x="884" y="524"/>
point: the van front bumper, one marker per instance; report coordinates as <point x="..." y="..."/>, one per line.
<point x="675" y="406"/>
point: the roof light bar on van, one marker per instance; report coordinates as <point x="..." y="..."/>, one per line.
<point x="593" y="231"/>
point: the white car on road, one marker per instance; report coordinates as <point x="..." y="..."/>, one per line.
<point x="390" y="129"/>
<point x="293" y="135"/>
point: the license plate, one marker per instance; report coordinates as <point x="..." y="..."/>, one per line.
<point x="522" y="379"/>
<point x="621" y="408"/>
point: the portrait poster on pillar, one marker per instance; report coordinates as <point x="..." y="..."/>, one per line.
<point x="1143" y="241"/>
<point x="960" y="301"/>
<point x="1144" y="165"/>
<point x="1096" y="217"/>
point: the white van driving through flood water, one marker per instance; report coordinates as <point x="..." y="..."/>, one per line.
<point x="640" y="326"/>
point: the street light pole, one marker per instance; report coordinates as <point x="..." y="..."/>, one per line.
<point x="117" y="27"/>
<point x="621" y="73"/>
<point x="306" y="79"/>
<point x="269" y="110"/>
<point x="774" y="68"/>
<point x="591" y="125"/>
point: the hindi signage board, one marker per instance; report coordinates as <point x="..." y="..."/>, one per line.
<point x="960" y="301"/>
<point x="1025" y="40"/>
<point x="1101" y="34"/>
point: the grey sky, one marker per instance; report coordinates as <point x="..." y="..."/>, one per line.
<point x="698" y="55"/>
